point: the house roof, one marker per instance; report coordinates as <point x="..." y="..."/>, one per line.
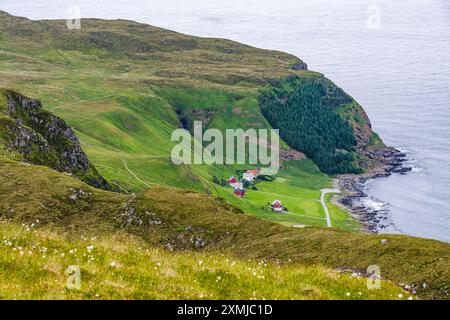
<point x="254" y="172"/>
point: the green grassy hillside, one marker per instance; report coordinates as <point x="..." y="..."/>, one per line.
<point x="34" y="265"/>
<point x="62" y="209"/>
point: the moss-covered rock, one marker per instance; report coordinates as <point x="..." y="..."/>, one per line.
<point x="44" y="139"/>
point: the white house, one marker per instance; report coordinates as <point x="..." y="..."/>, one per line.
<point x="248" y="177"/>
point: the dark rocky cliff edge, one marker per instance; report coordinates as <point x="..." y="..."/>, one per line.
<point x="31" y="134"/>
<point x="384" y="161"/>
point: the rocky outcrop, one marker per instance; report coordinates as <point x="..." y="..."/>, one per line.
<point x="44" y="139"/>
<point x="384" y="162"/>
<point x="299" y="66"/>
<point x="291" y="154"/>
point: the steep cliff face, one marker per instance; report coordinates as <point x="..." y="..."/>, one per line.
<point x="31" y="134"/>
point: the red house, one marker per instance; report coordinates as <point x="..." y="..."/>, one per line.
<point x="232" y="181"/>
<point x="277" y="206"/>
<point x="239" y="192"/>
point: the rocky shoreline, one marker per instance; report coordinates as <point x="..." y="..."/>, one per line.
<point x="387" y="161"/>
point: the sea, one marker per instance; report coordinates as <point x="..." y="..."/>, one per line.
<point x="393" y="57"/>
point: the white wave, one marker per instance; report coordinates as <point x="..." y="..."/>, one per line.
<point x="374" y="205"/>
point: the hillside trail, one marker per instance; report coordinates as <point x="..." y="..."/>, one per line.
<point x="325" y="208"/>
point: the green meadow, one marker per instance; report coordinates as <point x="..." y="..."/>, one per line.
<point x="36" y="265"/>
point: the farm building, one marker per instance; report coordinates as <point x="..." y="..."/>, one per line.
<point x="233" y="182"/>
<point x="277" y="206"/>
<point x="240" y="192"/>
<point x="250" y="175"/>
<point x="254" y="172"/>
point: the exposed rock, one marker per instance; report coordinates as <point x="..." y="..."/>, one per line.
<point x="384" y="161"/>
<point x="187" y="117"/>
<point x="198" y="242"/>
<point x="286" y="155"/>
<point x="129" y="215"/>
<point x="79" y="194"/>
<point x="151" y="219"/>
<point x="42" y="138"/>
<point x="299" y="66"/>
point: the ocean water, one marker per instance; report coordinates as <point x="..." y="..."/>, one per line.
<point x="392" y="56"/>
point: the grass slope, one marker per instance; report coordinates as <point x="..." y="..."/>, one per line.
<point x="186" y="221"/>
<point x="34" y="265"/>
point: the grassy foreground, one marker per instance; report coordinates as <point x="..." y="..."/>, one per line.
<point x="34" y="265"/>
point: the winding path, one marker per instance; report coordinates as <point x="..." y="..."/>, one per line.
<point x="322" y="200"/>
<point x="134" y="175"/>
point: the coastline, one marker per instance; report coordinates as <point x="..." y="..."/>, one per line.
<point x="388" y="161"/>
